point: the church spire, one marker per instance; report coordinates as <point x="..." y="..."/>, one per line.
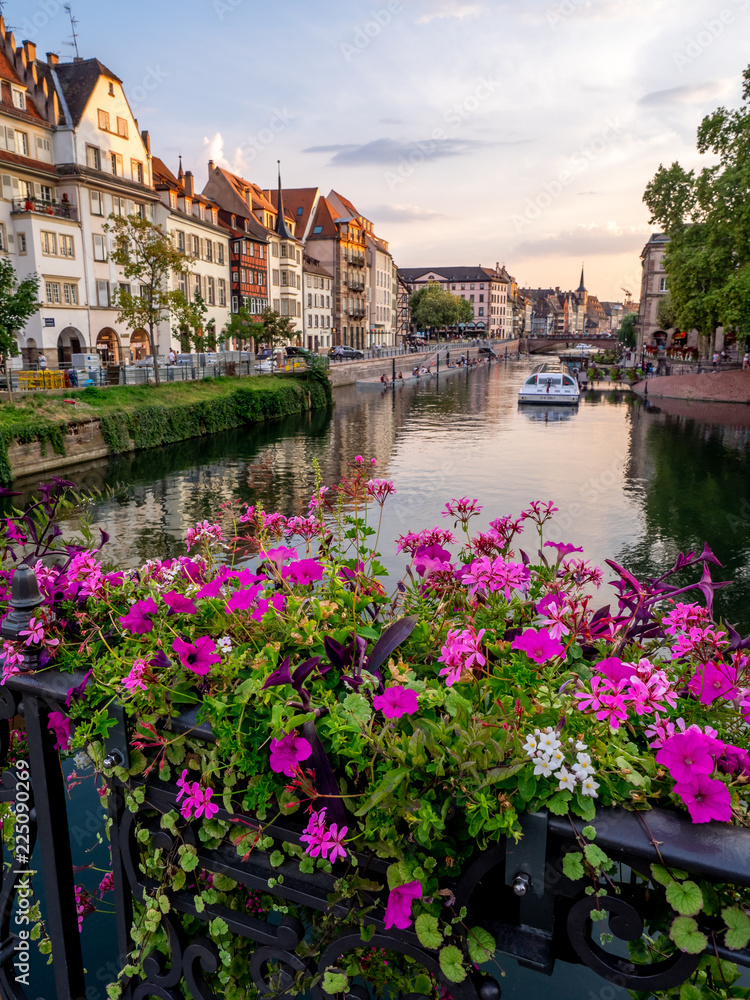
<point x="180" y="172"/>
<point x="581" y="287"/>
<point x="281" y="226"/>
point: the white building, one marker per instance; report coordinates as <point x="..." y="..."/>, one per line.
<point x="318" y="308"/>
<point x="382" y="273"/>
<point x="193" y="223"/>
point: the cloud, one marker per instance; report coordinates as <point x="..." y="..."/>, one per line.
<point x="689" y="94"/>
<point x="449" y="8"/>
<point x="387" y="152"/>
<point x="406" y="213"/>
<point x="585" y="240"/>
<point x="214" y="147"/>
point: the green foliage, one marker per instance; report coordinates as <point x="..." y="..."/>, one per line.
<point x="335" y="982"/>
<point x="244" y="327"/>
<point x="433" y="306"/>
<point x="428" y="931"/>
<point x="452" y="964"/>
<point x="481" y="945"/>
<point x="737" y="935"/>
<point x="685" y="897"/>
<point x="18" y="302"/>
<point x="686" y="935"/>
<point x="627" y="333"/>
<point x="194" y="329"/>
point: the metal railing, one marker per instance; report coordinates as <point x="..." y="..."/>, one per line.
<point x="62" y="210"/>
<point x="518" y="891"/>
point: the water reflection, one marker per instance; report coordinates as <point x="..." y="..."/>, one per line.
<point x="633" y="482"/>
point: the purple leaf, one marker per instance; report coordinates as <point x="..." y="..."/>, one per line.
<point x="303" y="671"/>
<point x="160" y="660"/>
<point x="340" y="656"/>
<point x="390" y="639"/>
<point x="77" y="692"/>
<point x="281" y="675"/>
<point x="325" y="780"/>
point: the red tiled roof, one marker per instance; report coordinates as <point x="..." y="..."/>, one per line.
<point x="25" y="161"/>
<point x="7" y="72"/>
<point x="345" y="202"/>
<point x="325" y="217"/>
<point x="294" y="199"/>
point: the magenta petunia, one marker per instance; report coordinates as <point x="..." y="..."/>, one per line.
<point x="138" y="619"/>
<point x="303" y="572"/>
<point x="687" y="754"/>
<point x="615" y="670"/>
<point x="266" y="604"/>
<point x="62" y="727"/>
<point x="563" y="549"/>
<point x="179" y="603"/>
<point x="241" y="600"/>
<point x="400" y="902"/>
<point x="211" y="589"/>
<point x="706" y="798"/>
<point x="288" y="752"/>
<point x="396" y="701"/>
<point x="714" y="680"/>
<point x="197" y="656"/>
<point x="538" y="646"/>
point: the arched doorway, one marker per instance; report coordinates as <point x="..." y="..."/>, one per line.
<point x="140" y="345"/>
<point x="108" y="346"/>
<point x="30" y="353"/>
<point x="68" y="343"/>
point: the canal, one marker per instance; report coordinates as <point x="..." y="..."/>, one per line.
<point x="634" y="483"/>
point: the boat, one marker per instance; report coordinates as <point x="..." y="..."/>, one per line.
<point x="542" y="414"/>
<point x="549" y="384"/>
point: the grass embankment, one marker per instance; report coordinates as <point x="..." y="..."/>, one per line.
<point x="146" y="416"/>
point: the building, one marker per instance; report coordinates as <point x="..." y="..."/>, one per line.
<point x="192" y="222"/>
<point x="403" y="312"/>
<point x="653" y="289"/>
<point x="318" y="305"/>
<point x="382" y="274"/>
<point x="485" y="288"/>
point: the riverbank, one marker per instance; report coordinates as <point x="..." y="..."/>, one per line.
<point x="709" y="387"/>
<point x="41" y="433"/>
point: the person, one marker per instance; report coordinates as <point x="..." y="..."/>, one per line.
<point x="401" y="376"/>
<point x="42" y="362"/>
<point x="746" y="361"/>
<point x="73" y="377"/>
<point x="172" y="356"/>
<point x="715" y="360"/>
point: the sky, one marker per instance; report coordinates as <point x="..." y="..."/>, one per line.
<point x="469" y="131"/>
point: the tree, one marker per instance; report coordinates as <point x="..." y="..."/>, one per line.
<point x="194" y="328"/>
<point x="147" y="255"/>
<point x="244" y="326"/>
<point x="707" y="219"/>
<point x="18" y="302"/>
<point x="665" y="316"/>
<point x="627" y="334"/>
<point x="432" y="306"/>
<point x="277" y="330"/>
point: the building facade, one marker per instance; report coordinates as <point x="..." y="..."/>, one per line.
<point x="487" y="289"/>
<point x="318" y="305"/>
<point x="653" y="288"/>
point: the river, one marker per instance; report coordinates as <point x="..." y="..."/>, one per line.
<point x="633" y="482"/>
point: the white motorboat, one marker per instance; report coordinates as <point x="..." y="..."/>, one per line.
<point x="549" y="384"/>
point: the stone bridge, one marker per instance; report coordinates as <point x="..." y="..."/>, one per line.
<point x="534" y="345"/>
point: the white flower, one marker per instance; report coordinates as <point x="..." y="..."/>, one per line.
<point x="583" y="771"/>
<point x="567" y="780"/>
<point x="584" y="759"/>
<point x="549" y="742"/>
<point x="225" y="644"/>
<point x="556" y="759"/>
<point x="589" y="787"/>
<point x="580" y="746"/>
<point x="543" y="766"/>
<point x="530" y="746"/>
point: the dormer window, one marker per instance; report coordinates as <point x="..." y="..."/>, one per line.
<point x="234" y="222"/>
<point x="19" y="99"/>
<point x="172" y="199"/>
<point x="111" y="90"/>
<point x="189" y="206"/>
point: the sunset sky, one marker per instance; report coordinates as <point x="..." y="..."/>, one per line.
<point x="469" y="132"/>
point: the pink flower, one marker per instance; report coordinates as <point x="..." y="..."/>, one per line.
<point x="303" y="572"/>
<point x="12" y="660"/>
<point x="706" y="798"/>
<point x="538" y="646"/>
<point x="703" y="640"/>
<point x="203" y="805"/>
<point x="197" y="656"/>
<point x="107" y="884"/>
<point x="241" y="600"/>
<point x="413" y="541"/>
<point x="714" y="680"/>
<point x="279" y="555"/>
<point x="682" y="616"/>
<point x="400" y="902"/>
<point x="275" y="603"/>
<point x="314" y="834"/>
<point x="462" y="509"/>
<point x="496" y="574"/>
<point x="35" y="632"/>
<point x="138" y="619"/>
<point x="134" y="680"/>
<point x="563" y="549"/>
<point x="380" y="490"/>
<point x="334" y="841"/>
<point x="183" y="784"/>
<point x="61" y="726"/>
<point x="462" y="650"/>
<point x="306" y="527"/>
<point x="554" y="607"/>
<point x="396" y="701"/>
<point x="288" y="752"/>
<point x="179" y="603"/>
<point x="688" y="754"/>
<point x="539" y="511"/>
<point x="204" y="531"/>
<point x="614" y="669"/>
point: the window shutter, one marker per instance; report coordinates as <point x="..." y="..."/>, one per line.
<point x="7" y="183"/>
<point x="10" y="138"/>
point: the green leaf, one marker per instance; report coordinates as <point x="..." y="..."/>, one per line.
<point x="596" y="857"/>
<point x="660" y="874"/>
<point x="452" y="964"/>
<point x="386" y="787"/>
<point x="218" y="927"/>
<point x="335" y="982"/>
<point x="277" y="859"/>
<point x="738" y="924"/>
<point x="685" y="934"/>
<point x="164" y="905"/>
<point x="423" y="985"/>
<point x="357" y="706"/>
<point x="685" y="897"/>
<point x="188" y="859"/>
<point x="573" y="866"/>
<point x="199" y="904"/>
<point x="690" y="992"/>
<point x="223" y="883"/>
<point x="428" y="931"/>
<point x="589" y="832"/>
<point x="481" y="944"/>
<point x="559" y="803"/>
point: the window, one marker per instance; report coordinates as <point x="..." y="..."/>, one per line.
<point x="43" y="149"/>
<point x="22" y="242"/>
<point x="196" y="247"/>
<point x="662" y="284"/>
<point x="275" y="277"/>
<point x="115" y="162"/>
<point x="140" y="210"/>
<point x="100" y="248"/>
<point x="8" y="138"/>
<point x="136" y="168"/>
<point x="3" y="241"/>
<point x="243" y="275"/>
<point x="19" y="99"/>
<point x="103" y="120"/>
<point x="235" y="303"/>
<point x="317" y="230"/>
<point x="172" y="200"/>
<point x="221" y="253"/>
<point x="236" y="277"/>
<point x="97" y="203"/>
<point x="481" y="311"/>
<point x="285" y="276"/>
<point x="180" y="240"/>
<point x="260" y="251"/>
<point x="102" y="293"/>
<point x="111" y="88"/>
<point x="209" y="250"/>
<point x="122" y="127"/>
<point x="44" y="192"/>
<point x="123" y="288"/>
<point x="93" y="158"/>
<point x="66" y="246"/>
<point x="211" y="292"/>
<point x="22" y="143"/>
<point x="70" y="294"/>
<point x="198" y="289"/>
<point x="49" y="244"/>
<point x="481" y="298"/>
<point x="222" y="292"/>
<point x="182" y="282"/>
<point x="52" y="289"/>
<point x="275" y="249"/>
<point x="118" y="206"/>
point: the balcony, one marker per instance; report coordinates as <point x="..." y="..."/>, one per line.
<point x="62" y="210"/>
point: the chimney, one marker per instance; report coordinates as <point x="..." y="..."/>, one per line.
<point x="210" y="167"/>
<point x="52" y="59"/>
<point x="78" y="59"/>
<point x="30" y="50"/>
<point x="188" y="182"/>
<point x="146" y="140"/>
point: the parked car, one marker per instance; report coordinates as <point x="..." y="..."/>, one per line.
<point x="297" y="352"/>
<point x="345" y="354"/>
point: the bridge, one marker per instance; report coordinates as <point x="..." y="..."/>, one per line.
<point x="536" y="345"/>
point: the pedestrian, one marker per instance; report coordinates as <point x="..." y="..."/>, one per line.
<point x="42" y="362"/>
<point x="715" y="360"/>
<point x="172" y="356"/>
<point x="746" y="361"/>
